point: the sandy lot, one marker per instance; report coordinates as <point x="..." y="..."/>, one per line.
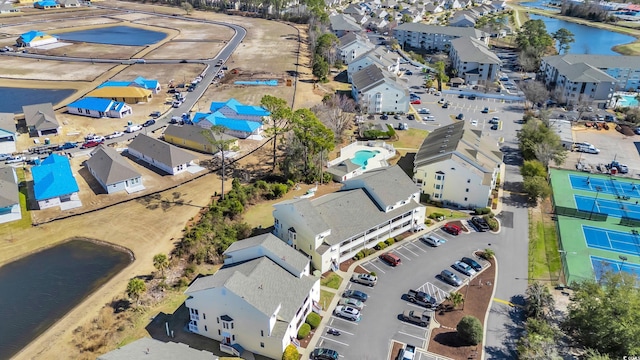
<point x="33" y="69"/>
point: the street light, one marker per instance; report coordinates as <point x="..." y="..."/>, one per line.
<point x="598" y="189"/>
<point x="624" y="259"/>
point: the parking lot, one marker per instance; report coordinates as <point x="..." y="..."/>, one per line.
<point x="370" y="338"/>
<point x="612" y="145"/>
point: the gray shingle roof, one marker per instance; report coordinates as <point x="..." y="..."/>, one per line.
<point x="194" y="133"/>
<point x="275" y="245"/>
<point x="160" y="150"/>
<point x="342" y="22"/>
<point x="390" y="184"/>
<point x="8" y="122"/>
<point x="348" y="38"/>
<point x="473" y="50"/>
<point x="8" y="187"/>
<point x="151" y="349"/>
<point x="598" y="61"/>
<point x="110" y="167"/>
<point x="367" y="77"/>
<point x="381" y="56"/>
<point x="445" y="30"/>
<point x="40" y="116"/>
<point x="343" y="168"/>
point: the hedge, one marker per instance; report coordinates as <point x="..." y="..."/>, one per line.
<point x="313" y="320"/>
<point x="493" y="223"/>
<point x="436" y="215"/>
<point x="304" y="331"/>
<point x="291" y="353"/>
<point x="389" y="241"/>
<point x="482" y="211"/>
<point x="381" y="245"/>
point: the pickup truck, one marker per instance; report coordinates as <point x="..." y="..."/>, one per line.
<point x="407" y="353"/>
<point x="421" y="298"/>
<point x="420" y="318"/>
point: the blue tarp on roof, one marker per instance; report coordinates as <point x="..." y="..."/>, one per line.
<point x="146" y="83"/>
<point x="239" y="108"/>
<point x="29" y="36"/>
<point x="234" y="124"/>
<point x="53" y="178"/>
<point x="45" y="3"/>
<point x="199" y="116"/>
<point x="114" y="83"/>
<point x="92" y="103"/>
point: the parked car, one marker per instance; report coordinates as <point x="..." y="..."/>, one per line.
<point x="474" y="264"/>
<point x="384" y="117"/>
<point x="428" y="118"/>
<point x="464" y="268"/>
<point x="411" y="117"/>
<point x="480" y="224"/>
<point x="133" y="128"/>
<point x="420" y="318"/>
<point x="14" y="159"/>
<point x="408" y="72"/>
<point x="67" y="146"/>
<point x="445" y="105"/>
<point x="474" y="122"/>
<point x="365" y="279"/>
<point x="324" y="354"/>
<point x="355" y="294"/>
<point x="450" y="278"/>
<point x="4" y="157"/>
<point x="494" y="127"/>
<point x="352" y="303"/>
<point x="441" y="101"/>
<point x="396" y="116"/>
<point x="452" y="229"/>
<point x="176" y="103"/>
<point x="461" y="96"/>
<point x="93" y="137"/>
<point x="156" y="114"/>
<point x="90" y="144"/>
<point x="472" y="97"/>
<point x="116" y="134"/>
<point x="460" y="116"/>
<point x="494" y="120"/>
<point x="416" y="102"/>
<point x="424" y="111"/>
<point x="347" y="312"/>
<point x="149" y="123"/>
<point x="432" y="240"/>
<point x="421" y="298"/>
<point x="485" y="110"/>
<point x="391" y="259"/>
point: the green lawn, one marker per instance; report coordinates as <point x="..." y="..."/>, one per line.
<point x="325" y="298"/>
<point x="332" y="281"/>
<point x="456" y="214"/>
<point x="544" y="258"/>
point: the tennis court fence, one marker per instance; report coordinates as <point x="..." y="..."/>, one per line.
<point x="629" y="221"/>
<point x="571" y="212"/>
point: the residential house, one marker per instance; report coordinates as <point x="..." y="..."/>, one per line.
<point x="578" y="82"/>
<point x="98" y="108"/>
<point x="242" y="129"/>
<point x="35" y="38"/>
<point x="9" y="196"/>
<point x="463" y="3"/>
<point x="377" y="91"/>
<point x="434" y="37"/>
<point x="257" y="301"/>
<point x="369" y="208"/>
<point x="433" y="8"/>
<point x="113" y="171"/>
<point x="342" y="24"/>
<point x="352" y="45"/>
<point x="379" y="56"/>
<point x="8" y="133"/>
<point x="46" y="4"/>
<point x="457" y="166"/>
<point x="415" y="14"/>
<point x="354" y="9"/>
<point x="380" y="13"/>
<point x="233" y="109"/>
<point x="54" y="184"/>
<point x="8" y="8"/>
<point x="345" y="170"/>
<point x="462" y="20"/>
<point x="160" y="154"/>
<point x="127" y="94"/>
<point x="473" y="61"/>
<point x="191" y="137"/>
<point x="139" y="82"/>
<point x="498" y="5"/>
<point x="41" y="119"/>
<point x="454" y="4"/>
<point x="389" y="4"/>
<point x="377" y="23"/>
<point x="624" y="69"/>
<point x="152" y="349"/>
<point x="69" y="3"/>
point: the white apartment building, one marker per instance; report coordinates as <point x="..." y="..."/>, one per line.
<point x="434" y="37"/>
<point x="377" y="91"/>
<point x="352" y="46"/>
<point x="624" y="69"/>
<point x="474" y="61"/>
<point x="380" y="56"/>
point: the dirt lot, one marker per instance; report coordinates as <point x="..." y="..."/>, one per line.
<point x="33" y="69"/>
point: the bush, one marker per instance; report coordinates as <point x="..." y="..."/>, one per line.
<point x="390" y="131"/>
<point x="389" y="241"/>
<point x="470" y="330"/>
<point x="482" y="211"/>
<point x="427" y="222"/>
<point x="373" y="273"/>
<point x="381" y="245"/>
<point x="291" y="353"/>
<point x="313" y="320"/>
<point x="278" y="190"/>
<point x="304" y="331"/>
<point x="436" y="215"/>
<point x="493" y="223"/>
<point x="358" y="256"/>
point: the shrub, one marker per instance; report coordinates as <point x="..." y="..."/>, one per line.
<point x="291" y="353"/>
<point x="493" y="223"/>
<point x="313" y="320"/>
<point x="427" y="222"/>
<point x="381" y="245"/>
<point x="304" y="331"/>
<point x="436" y="215"/>
<point x="278" y="190"/>
<point x="470" y="330"/>
<point x="390" y="131"/>
<point x="358" y="256"/>
<point x="373" y="273"/>
<point x="482" y="211"/>
<point x="389" y="241"/>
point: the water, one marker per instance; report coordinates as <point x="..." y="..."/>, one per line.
<point x="38" y="290"/>
<point x="628" y="100"/>
<point x="588" y="40"/>
<point x="115" y="35"/>
<point x="540" y="4"/>
<point x="20" y="97"/>
<point x="258" y="82"/>
<point x="361" y="157"/>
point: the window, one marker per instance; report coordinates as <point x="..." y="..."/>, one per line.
<point x="205" y="328"/>
<point x="261" y="344"/>
<point x="465" y="199"/>
<point x="204" y="316"/>
<point x="438" y="177"/>
<point x="218" y="320"/>
<point x="233" y="338"/>
<point x="468" y="181"/>
<point x="467" y="190"/>
<point x="437" y="187"/>
<point x="262" y="333"/>
<point x="219" y="333"/>
<point x="436" y="196"/>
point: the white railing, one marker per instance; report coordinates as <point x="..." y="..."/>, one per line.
<point x="371" y="143"/>
<point x="194" y="317"/>
<point x="193" y="327"/>
<point x="228" y="349"/>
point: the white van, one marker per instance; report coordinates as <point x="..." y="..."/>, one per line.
<point x="133" y="128"/>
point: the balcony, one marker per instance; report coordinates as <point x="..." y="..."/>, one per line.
<point x="193" y="326"/>
<point x="195" y="317"/>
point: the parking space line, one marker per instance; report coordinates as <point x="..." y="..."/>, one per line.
<point x="374" y="265"/>
<point x="335" y="341"/>
<point x="405" y="247"/>
<point x="342" y="331"/>
<point x="416" y="246"/>
<point x="401" y="254"/>
<point x="413" y="336"/>
<point x="345" y="320"/>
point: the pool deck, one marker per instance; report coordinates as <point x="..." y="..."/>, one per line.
<point x="385" y="152"/>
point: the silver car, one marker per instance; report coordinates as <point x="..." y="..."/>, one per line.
<point x="464" y="268"/>
<point x="357" y="304"/>
<point x="365" y="279"/>
<point x="348" y="312"/>
<point x="433" y="241"/>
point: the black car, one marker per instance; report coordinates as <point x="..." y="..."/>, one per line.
<point x="460" y="116"/>
<point x="384" y="117"/>
<point x="411" y="117"/>
<point x="461" y="96"/>
<point x="355" y="294"/>
<point x="445" y="105"/>
<point x="324" y="354"/>
<point x="472" y="97"/>
<point x="474" y="264"/>
<point x="149" y="122"/>
<point x="480" y="224"/>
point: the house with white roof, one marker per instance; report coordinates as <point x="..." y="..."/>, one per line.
<point x="433" y="8"/>
<point x="35" y="38"/>
<point x="9" y="195"/>
<point x="8" y="133"/>
<point x="54" y="184"/>
<point x="113" y="171"/>
<point x="457" y="166"/>
<point x="8" y="8"/>
<point x="352" y="45"/>
<point x="99" y="108"/>
<point x="41" y="119"/>
<point x="342" y="24"/>
<point x="69" y="3"/>
<point x="434" y="37"/>
<point x="139" y="82"/>
<point x="379" y="56"/>
<point x="160" y="154"/>
<point x="377" y="91"/>
<point x="257" y="301"/>
<point x="354" y="9"/>
<point x="370" y="208"/>
<point x="473" y="60"/>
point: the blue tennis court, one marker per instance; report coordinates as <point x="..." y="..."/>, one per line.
<point x="605" y="186"/>
<point x="610" y="207"/>
<point x="611" y="240"/>
<point x="602" y="265"/>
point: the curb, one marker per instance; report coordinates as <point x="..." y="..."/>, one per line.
<point x="486" y="315"/>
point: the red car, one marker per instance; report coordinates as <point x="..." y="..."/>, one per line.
<point x="90" y="144"/>
<point x="416" y="102"/>
<point x="452" y="229"/>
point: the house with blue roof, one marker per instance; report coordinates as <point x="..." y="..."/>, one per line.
<point x="242" y="129"/>
<point x="54" y="184"/>
<point x="233" y="109"/>
<point x="99" y="108"/>
<point x="35" y="38"/>
<point x="46" y="4"/>
<point x="140" y="82"/>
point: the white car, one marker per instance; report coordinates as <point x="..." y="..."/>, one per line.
<point x="116" y="134"/>
<point x="177" y="104"/>
<point x="429" y="118"/>
<point x="357" y="304"/>
<point x="133" y="128"/>
<point x="464" y="268"/>
<point x="94" y="137"/>
<point x="424" y="111"/>
<point x="14" y="159"/>
<point x="433" y="241"/>
<point x="474" y="122"/>
<point x="347" y="312"/>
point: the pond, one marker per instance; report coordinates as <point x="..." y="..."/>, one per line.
<point x="540" y="4"/>
<point x="588" y="40"/>
<point x="20" y="97"/>
<point x="115" y="35"/>
<point x="40" y="289"/>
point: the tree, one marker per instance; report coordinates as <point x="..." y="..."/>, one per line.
<point x="604" y="315"/>
<point x="320" y="68"/>
<point x="546" y="152"/>
<point x="538" y="342"/>
<point x="441" y="74"/>
<point x="187" y="7"/>
<point x="135" y="288"/>
<point x="456" y="299"/>
<point x="406" y="18"/>
<point x="539" y="303"/>
<point x="564" y="38"/>
<point x="336" y="112"/>
<point x="312" y="135"/>
<point x="214" y="137"/>
<point x="488" y="254"/>
<point x="533" y="168"/>
<point x="591" y="354"/>
<point x="470" y="330"/>
<point x="291" y="353"/>
<point x="161" y="262"/>
<point x="533" y="35"/>
<point x="536" y="188"/>
<point x="535" y="92"/>
<point x="534" y="132"/>
<point x="278" y="122"/>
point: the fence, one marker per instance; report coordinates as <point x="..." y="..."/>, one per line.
<point x="629" y="221"/>
<point x="571" y="212"/>
<point x="370" y="143"/>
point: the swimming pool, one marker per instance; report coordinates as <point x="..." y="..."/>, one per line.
<point x="628" y="100"/>
<point x="361" y="157"/>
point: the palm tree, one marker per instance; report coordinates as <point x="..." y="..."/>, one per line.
<point x="488" y="254"/>
<point x="161" y="262"/>
<point x="617" y="98"/>
<point x="456" y="299"/>
<point x="135" y="288"/>
<point x="539" y="302"/>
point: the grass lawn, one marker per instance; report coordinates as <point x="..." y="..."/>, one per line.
<point x="544" y="259"/>
<point x="25" y="222"/>
<point x="325" y="298"/>
<point x="333" y="281"/>
<point x="410" y="139"/>
<point x="447" y="212"/>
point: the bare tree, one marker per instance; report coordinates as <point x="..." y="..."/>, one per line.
<point x="535" y="92"/>
<point x="336" y="113"/>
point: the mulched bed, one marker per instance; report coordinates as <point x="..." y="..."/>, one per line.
<point x="459" y="223"/>
<point x="444" y="340"/>
<point x="395" y="351"/>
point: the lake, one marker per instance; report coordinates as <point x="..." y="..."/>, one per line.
<point x="115" y="35"/>
<point x="540" y="4"/>
<point x="41" y="288"/>
<point x="588" y="40"/>
<point x="20" y="97"/>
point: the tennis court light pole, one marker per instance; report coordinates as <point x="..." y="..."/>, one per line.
<point x="598" y="188"/>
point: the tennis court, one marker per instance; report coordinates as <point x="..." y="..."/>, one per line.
<point x="617" y="241"/>
<point x="609" y="207"/>
<point x="606" y="186"/>
<point x="602" y="265"/>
